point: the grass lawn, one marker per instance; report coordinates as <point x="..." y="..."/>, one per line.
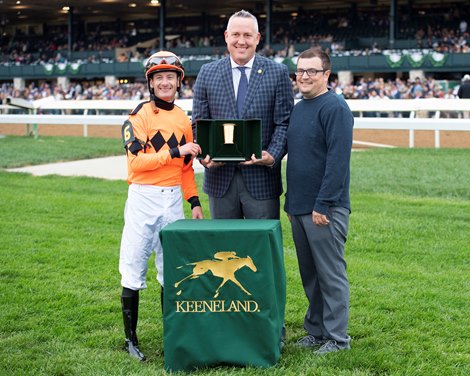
<point x="17" y="151"/>
<point x="408" y="257"/>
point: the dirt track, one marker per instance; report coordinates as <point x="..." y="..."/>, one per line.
<point x="423" y="139"/>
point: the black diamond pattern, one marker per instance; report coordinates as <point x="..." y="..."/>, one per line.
<point x="157" y="141"/>
<point x="172" y="141"/>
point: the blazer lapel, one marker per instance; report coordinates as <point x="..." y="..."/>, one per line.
<point x="256" y="76"/>
<point x="227" y="83"/>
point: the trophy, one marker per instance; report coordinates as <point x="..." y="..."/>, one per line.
<point x="229" y="128"/>
<point x="229" y="140"/>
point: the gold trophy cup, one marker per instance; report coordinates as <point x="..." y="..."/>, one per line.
<point x="229" y="129"/>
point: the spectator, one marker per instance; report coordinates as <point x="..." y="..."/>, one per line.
<point x="463" y="27"/>
<point x="464" y="92"/>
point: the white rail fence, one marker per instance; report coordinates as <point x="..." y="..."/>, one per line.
<point x="411" y="115"/>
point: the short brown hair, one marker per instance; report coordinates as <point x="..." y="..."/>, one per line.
<point x="317" y="52"/>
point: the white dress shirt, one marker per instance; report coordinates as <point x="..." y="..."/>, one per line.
<point x="236" y="74"/>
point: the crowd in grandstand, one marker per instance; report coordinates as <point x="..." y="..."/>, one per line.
<point x="394" y="89"/>
<point x="377" y="88"/>
<point x="445" y="31"/>
<point x="75" y="91"/>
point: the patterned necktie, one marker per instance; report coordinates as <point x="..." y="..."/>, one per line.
<point x="242" y="88"/>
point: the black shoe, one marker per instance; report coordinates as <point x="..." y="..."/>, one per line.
<point x="310" y="341"/>
<point x="332" y="346"/>
<point x="282" y="342"/>
<point x="134" y="350"/>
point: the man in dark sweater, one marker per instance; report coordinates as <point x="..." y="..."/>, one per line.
<point x="319" y="141"/>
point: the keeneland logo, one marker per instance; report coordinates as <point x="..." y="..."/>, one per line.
<point x="224" y="265"/>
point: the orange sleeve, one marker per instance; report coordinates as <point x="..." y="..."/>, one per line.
<point x="142" y="161"/>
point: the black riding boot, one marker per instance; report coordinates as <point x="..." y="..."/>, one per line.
<point x="130" y="313"/>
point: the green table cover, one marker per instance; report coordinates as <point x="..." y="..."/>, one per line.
<point x="225" y="293"/>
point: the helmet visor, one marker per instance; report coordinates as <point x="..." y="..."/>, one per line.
<point x="166" y="60"/>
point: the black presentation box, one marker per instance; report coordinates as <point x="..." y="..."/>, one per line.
<point x="229" y="140"/>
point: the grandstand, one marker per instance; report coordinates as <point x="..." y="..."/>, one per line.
<point x="381" y="49"/>
<point x="108" y="40"/>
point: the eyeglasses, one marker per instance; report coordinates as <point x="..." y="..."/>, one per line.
<point x="311" y="72"/>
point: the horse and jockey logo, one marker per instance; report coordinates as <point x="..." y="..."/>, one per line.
<point x="224" y="265"/>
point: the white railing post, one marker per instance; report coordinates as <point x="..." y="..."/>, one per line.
<point x="437" y="140"/>
<point x="85" y="126"/>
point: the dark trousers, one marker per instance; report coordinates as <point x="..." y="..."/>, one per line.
<point x="238" y="203"/>
<point x="320" y="254"/>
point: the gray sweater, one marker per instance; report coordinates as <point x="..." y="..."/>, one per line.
<point x="319" y="142"/>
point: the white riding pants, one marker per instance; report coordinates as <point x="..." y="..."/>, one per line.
<point x="148" y="209"/>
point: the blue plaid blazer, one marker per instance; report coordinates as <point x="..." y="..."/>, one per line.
<point x="269" y="98"/>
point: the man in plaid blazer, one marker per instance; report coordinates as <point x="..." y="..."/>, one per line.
<point x="250" y="189"/>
